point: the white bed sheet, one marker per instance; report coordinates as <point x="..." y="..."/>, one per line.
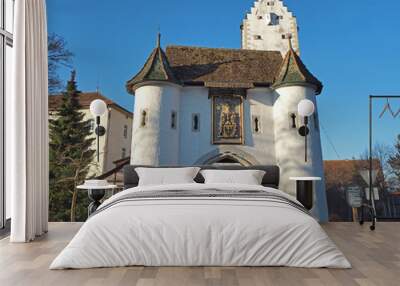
<point x="200" y="232"/>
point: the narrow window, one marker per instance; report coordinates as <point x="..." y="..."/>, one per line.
<point x="257" y="37"/>
<point x="144" y="118"/>
<point x="273" y="19"/>
<point x="91" y="122"/>
<point x="293" y="120"/>
<point x="173" y="119"/>
<point x="287" y="36"/>
<point x="123" y="153"/>
<point x="196" y="122"/>
<point x="256" y="124"/>
<point x="125" y="131"/>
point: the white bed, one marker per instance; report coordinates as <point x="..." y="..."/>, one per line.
<point x="206" y="230"/>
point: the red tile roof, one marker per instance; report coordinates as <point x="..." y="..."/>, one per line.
<point x="342" y="172"/>
<point x="85" y="98"/>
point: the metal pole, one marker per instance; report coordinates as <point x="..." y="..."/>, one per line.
<point x="98" y="138"/>
<point x="370" y="147"/>
<point x="98" y="146"/>
<point x="371" y="189"/>
<point x="305" y="154"/>
<point x="306" y="131"/>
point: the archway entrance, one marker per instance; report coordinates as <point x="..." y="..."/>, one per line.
<point x="227" y="160"/>
<point x="228" y="155"/>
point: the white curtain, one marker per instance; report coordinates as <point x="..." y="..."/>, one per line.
<point x="27" y="124"/>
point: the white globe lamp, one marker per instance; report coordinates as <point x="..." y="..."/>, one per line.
<point x="98" y="107"/>
<point x="306" y="108"/>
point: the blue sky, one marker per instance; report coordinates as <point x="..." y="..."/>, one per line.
<point x="352" y="46"/>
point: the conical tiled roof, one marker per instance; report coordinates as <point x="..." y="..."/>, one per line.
<point x="156" y="68"/>
<point x="294" y="72"/>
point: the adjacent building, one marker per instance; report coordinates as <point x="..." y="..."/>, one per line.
<point x="115" y="144"/>
<point x="196" y="105"/>
<point x="343" y="175"/>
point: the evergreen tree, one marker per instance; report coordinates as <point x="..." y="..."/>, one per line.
<point x="70" y="157"/>
<point x="394" y="159"/>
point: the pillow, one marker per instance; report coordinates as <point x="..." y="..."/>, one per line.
<point x="166" y="176"/>
<point x="244" y="177"/>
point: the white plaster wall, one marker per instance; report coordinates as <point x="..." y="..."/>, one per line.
<point x="289" y="147"/>
<point x="115" y="137"/>
<point x="261" y="145"/>
<point x="169" y="137"/>
<point x="146" y="140"/>
<point x="196" y="145"/>
<point x="271" y="35"/>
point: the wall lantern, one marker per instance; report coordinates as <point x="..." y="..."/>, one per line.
<point x="98" y="108"/>
<point x="305" y="109"/>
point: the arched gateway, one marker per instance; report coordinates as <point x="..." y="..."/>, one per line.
<point x="227" y="157"/>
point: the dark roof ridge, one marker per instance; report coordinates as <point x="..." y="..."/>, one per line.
<point x="222" y="49"/>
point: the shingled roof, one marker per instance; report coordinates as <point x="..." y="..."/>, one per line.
<point x="232" y="68"/>
<point x="294" y="72"/>
<point x="223" y="68"/>
<point x="156" y="68"/>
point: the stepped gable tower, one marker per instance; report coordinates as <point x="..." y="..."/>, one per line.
<point x="268" y="26"/>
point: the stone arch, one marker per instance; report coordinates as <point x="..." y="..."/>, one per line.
<point x="231" y="154"/>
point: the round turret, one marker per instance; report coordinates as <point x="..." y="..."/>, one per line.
<point x="156" y="114"/>
<point x="293" y="84"/>
<point x="156" y="125"/>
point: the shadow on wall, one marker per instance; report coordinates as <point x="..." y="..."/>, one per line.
<point x="247" y="125"/>
<point x="147" y="150"/>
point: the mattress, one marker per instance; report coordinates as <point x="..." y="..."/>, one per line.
<point x="201" y="225"/>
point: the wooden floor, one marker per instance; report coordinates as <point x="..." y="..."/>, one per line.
<point x="375" y="257"/>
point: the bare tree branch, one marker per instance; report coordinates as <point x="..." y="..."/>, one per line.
<point x="58" y="56"/>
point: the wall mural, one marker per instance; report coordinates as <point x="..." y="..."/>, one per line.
<point x="227" y="119"/>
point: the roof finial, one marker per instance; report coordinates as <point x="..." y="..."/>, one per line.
<point x="98" y="86"/>
<point x="73" y="75"/>
<point x="289" y="37"/>
<point x="158" y="37"/>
